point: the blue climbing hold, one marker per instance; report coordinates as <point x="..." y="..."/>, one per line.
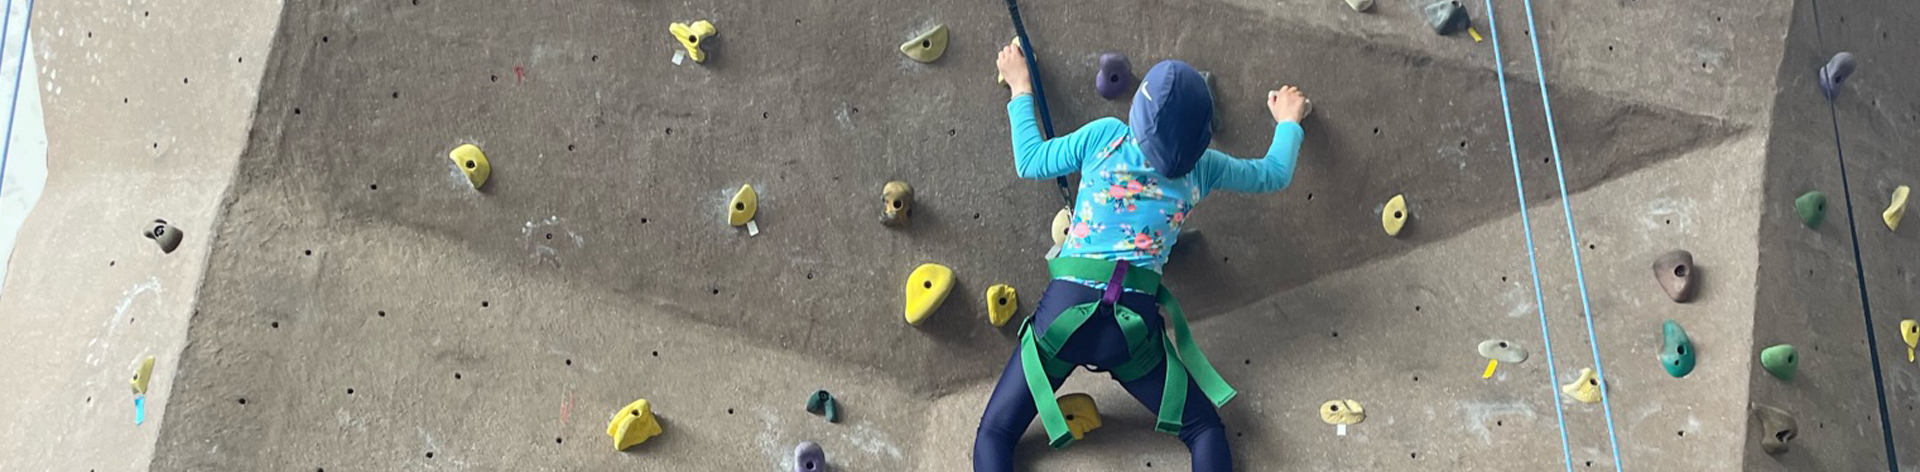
<point x="1116" y="75"/>
<point x="1834" y="73"/>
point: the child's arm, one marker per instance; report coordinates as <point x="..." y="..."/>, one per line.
<point x="1035" y="158"/>
<point x="1267" y="174"/>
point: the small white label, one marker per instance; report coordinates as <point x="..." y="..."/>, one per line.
<point x="1340" y="430"/>
<point x="1055" y="252"/>
<point x="753" y="228"/>
<point x="679" y="56"/>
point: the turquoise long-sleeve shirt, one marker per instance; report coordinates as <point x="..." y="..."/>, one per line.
<point x="1125" y="210"/>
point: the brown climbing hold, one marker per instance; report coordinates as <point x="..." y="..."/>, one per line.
<point x="1777" y="428"/>
<point x="1675" y="273"/>
<point x="899" y="204"/>
<point x="163" y="234"/>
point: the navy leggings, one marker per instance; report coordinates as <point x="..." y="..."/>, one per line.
<point x="1098" y="343"/>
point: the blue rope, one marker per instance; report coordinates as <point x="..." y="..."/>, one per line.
<point x="6" y="22"/>
<point x="1039" y="93"/>
<point x="1526" y="226"/>
<point x="1573" y="237"/>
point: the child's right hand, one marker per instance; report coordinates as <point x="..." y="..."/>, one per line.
<point x="1287" y="104"/>
<point x="1013" y="67"/>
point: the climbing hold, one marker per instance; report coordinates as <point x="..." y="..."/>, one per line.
<point x="1674" y="272"/>
<point x="1777" y="428"/>
<point x="1001" y="303"/>
<point x="1346" y="412"/>
<point x="822" y="403"/>
<point x="632" y="425"/>
<point x="1082" y="415"/>
<point x="1360" y="5"/>
<point x="1896" y="209"/>
<point x="1394" y="215"/>
<point x="1910" y="331"/>
<point x="1062" y="222"/>
<point x="163" y="234"/>
<point x="1447" y="17"/>
<point x="745" y="203"/>
<point x="141" y="371"/>
<point x="690" y="36"/>
<point x="1812" y="208"/>
<point x="1834" y="73"/>
<point x="808" y="457"/>
<point x="899" y="204"/>
<point x="927" y="46"/>
<point x="1503" y="351"/>
<point x="1002" y="79"/>
<point x="1781" y="360"/>
<point x="1115" y="76"/>
<point x="1676" y="351"/>
<point x="1586" y="388"/>
<point x="926" y="288"/>
<point x="472" y="162"/>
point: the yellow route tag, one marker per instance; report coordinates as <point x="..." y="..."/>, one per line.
<point x="1491" y="364"/>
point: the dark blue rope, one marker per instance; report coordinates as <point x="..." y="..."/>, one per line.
<point x="1039" y="94"/>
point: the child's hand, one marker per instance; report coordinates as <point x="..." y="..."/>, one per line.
<point x="1287" y="104"/>
<point x="1013" y="67"/>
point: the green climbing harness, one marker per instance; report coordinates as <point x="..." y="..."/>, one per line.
<point x="1147" y="346"/>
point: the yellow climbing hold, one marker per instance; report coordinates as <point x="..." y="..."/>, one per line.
<point x="1586" y="388"/>
<point x="1062" y="222"/>
<point x="1394" y="215"/>
<point x="690" y="36"/>
<point x="1001" y="303"/>
<point x="1001" y="79"/>
<point x="1910" y="331"/>
<point x="1082" y="416"/>
<point x="473" y="163"/>
<point x="1342" y="412"/>
<point x="745" y="203"/>
<point x="928" y="46"/>
<point x="1896" y="209"/>
<point x="632" y="425"/>
<point x="926" y="288"/>
<point x="141" y="371"/>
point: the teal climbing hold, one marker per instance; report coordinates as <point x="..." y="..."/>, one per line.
<point x="1780" y="360"/>
<point x="822" y="402"/>
<point x="1812" y="208"/>
<point x="1676" y="351"/>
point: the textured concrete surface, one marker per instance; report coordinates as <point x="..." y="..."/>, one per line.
<point x="356" y="307"/>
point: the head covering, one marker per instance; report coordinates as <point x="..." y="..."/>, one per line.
<point x="1172" y="117"/>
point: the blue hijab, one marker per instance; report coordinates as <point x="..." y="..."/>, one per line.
<point x="1172" y="117"/>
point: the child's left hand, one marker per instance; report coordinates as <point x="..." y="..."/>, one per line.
<point x="1013" y="67"/>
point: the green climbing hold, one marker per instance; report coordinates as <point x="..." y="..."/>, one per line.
<point x="1812" y="208"/>
<point x="822" y="402"/>
<point x="1780" y="360"/>
<point x="1676" y="351"/>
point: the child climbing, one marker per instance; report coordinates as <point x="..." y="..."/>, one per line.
<point x="1139" y="182"/>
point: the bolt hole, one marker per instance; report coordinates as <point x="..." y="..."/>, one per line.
<point x="595" y="58"/>
<point x="1115" y="78"/>
<point x="1333" y="407"/>
<point x="373" y="186"/>
<point x="1680" y="433"/>
<point x="429" y="455"/>
<point x="1397" y="215"/>
<point x="1003" y="300"/>
<point x="549" y="235"/>
<point x="493" y="78"/>
<point x="1680" y="270"/>
<point x="483" y="304"/>
<point x="693" y="39"/>
<point x="243" y="401"/>
<point x="729" y="411"/>
<point x="1336" y="334"/>
<point x="656" y="353"/>
<point x="1416" y="378"/>
<point x="558" y="440"/>
<point x="926" y="44"/>
<point x="569" y="361"/>
<point x="1594" y="382"/>
<point x="456" y="376"/>
<point x="275" y="325"/>
<point x="1376" y="131"/>
<point x="716" y="291"/>
<point x="669" y="131"/>
<point x="927" y="284"/>
<point x="296" y="111"/>
<point x="349" y="390"/>
<point x="383" y="314"/>
<point x="896" y="204"/>
<point x="472" y="164"/>
<point x="739" y="206"/>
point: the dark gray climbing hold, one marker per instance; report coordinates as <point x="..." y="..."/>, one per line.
<point x="1675" y="272"/>
<point x="808" y="457"/>
<point x="822" y="402"/>
<point x="1447" y="17"/>
<point x="1812" y="208"/>
<point x="1835" y="73"/>
<point x="1781" y="360"/>
<point x="1676" y="351"/>
<point x="1116" y="75"/>
<point x="1503" y="350"/>
<point x="1777" y="428"/>
<point x="167" y="236"/>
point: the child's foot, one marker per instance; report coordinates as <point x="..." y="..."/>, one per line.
<point x="1288" y="104"/>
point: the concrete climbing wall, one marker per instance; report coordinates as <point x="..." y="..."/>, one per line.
<point x="1808" y="292"/>
<point x="360" y="308"/>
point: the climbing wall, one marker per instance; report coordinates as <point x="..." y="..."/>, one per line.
<point x="362" y="307"/>
<point x="1809" y="293"/>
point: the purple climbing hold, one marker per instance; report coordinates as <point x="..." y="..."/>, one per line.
<point x="1116" y="75"/>
<point x="808" y="457"/>
<point x="1835" y="72"/>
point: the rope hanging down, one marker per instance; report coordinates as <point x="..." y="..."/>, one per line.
<point x="1039" y="93"/>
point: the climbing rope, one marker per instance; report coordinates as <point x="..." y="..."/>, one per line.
<point x="1573" y="236"/>
<point x="1526" y="227"/>
<point x="6" y="20"/>
<point x="1859" y="269"/>
<point x="1039" y="94"/>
